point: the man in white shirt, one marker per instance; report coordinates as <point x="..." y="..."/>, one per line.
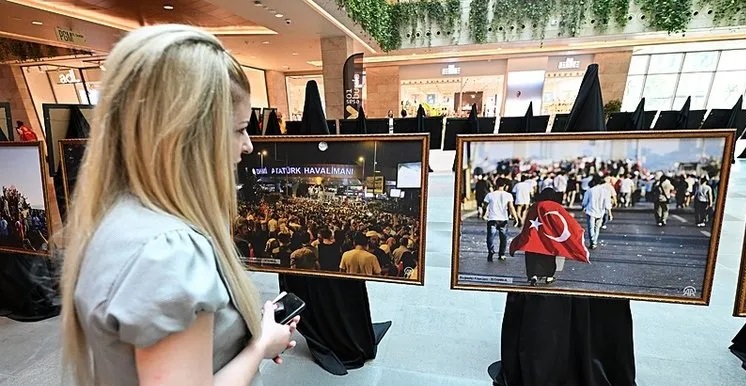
<point x="499" y="202"/>
<point x="626" y="189"/>
<point x="522" y="191"/>
<point x="596" y="204"/>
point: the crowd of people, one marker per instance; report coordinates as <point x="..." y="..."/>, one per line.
<point x="21" y="227"/>
<point x="334" y="234"/>
<point x="595" y="186"/>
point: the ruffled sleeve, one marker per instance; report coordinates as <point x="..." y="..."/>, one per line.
<point x="160" y="291"/>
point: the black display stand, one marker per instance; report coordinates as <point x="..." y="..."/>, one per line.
<point x="738" y="348"/>
<point x="336" y="322"/>
<point x="28" y="287"/>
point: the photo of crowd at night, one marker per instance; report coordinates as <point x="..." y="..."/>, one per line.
<point x="24" y="224"/>
<point x="334" y="206"/>
<point x="626" y="217"/>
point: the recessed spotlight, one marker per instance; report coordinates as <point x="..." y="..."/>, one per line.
<point x="36" y="22"/>
<point x="271" y="11"/>
<point x="168" y="7"/>
<point x="265" y="42"/>
<point x="295" y="54"/>
<point x="278" y="15"/>
<point x="258" y="3"/>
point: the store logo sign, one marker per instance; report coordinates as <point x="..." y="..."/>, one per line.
<point x="569" y="64"/>
<point x="450" y="70"/>
<point x="69" y="36"/>
<point x="68" y="77"/>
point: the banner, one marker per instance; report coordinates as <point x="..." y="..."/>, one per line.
<point x="374" y="184"/>
<point x="322" y="170"/>
<point x="353" y="85"/>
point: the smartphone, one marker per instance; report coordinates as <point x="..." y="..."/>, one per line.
<point x="288" y="307"/>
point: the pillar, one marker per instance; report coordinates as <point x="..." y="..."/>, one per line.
<point x="383" y="88"/>
<point x="334" y="53"/>
<point x="277" y="92"/>
<point x="613" y="68"/>
<point x="13" y="89"/>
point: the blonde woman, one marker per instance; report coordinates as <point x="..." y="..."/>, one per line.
<point x="153" y="292"/>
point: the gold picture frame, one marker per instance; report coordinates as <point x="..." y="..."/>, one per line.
<point x="415" y="142"/>
<point x="739" y="309"/>
<point x="39" y="160"/>
<point x="701" y="297"/>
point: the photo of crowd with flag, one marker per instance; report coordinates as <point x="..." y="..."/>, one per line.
<point x="24" y="222"/>
<point x="574" y="217"/>
<point x="357" y="226"/>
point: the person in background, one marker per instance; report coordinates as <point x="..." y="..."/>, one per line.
<point x="481" y="190"/>
<point x="596" y="205"/>
<point x="499" y="203"/>
<point x="24" y="133"/>
<point x="661" y="191"/>
<point x="702" y="202"/>
<point x="359" y="261"/>
<point x="153" y="292"/>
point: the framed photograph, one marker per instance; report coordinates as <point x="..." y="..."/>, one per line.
<point x="740" y="306"/>
<point x="633" y="215"/>
<point x="24" y="205"/>
<point x="72" y="152"/>
<point x="63" y="121"/>
<point x="348" y="206"/>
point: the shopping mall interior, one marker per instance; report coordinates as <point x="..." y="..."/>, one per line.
<point x="433" y="72"/>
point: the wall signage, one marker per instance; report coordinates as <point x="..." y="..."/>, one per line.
<point x="68" y="36"/>
<point x="569" y="64"/>
<point x="451" y="69"/>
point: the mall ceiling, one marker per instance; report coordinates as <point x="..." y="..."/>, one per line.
<point x="282" y="35"/>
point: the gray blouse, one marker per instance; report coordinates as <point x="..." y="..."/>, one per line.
<point x="145" y="275"/>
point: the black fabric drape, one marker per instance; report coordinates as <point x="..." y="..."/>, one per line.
<point x="313" y="121"/>
<point x="638" y="117"/>
<point x="738" y="348"/>
<point x="588" y="110"/>
<point x="550" y="340"/>
<point x="29" y="289"/>
<point x="472" y="128"/>
<point x="3" y="138"/>
<point x="421" y="128"/>
<point x="273" y="124"/>
<point x="336" y="322"/>
<point x="362" y="127"/>
<point x="527" y="117"/>
<point x="254" y="128"/>
<point x="682" y="119"/>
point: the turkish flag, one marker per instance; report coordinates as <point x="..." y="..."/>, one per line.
<point x="550" y="230"/>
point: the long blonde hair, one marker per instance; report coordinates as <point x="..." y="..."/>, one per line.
<point x="163" y="132"/>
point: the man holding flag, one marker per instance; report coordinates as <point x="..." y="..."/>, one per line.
<point x="549" y="231"/>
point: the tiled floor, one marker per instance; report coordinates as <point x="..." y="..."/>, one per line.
<point x="450" y="337"/>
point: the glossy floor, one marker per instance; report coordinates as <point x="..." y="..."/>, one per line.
<point x="443" y="337"/>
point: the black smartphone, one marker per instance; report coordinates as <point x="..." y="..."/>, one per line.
<point x="288" y="307"/>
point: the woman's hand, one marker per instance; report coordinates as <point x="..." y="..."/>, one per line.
<point x="275" y="338"/>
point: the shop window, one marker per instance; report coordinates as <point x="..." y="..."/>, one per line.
<point x="660" y="87"/>
<point x="666" y="64"/>
<point x="732" y="60"/>
<point x="633" y="92"/>
<point x="696" y="85"/>
<point x="701" y="61"/>
<point x="639" y="65"/>
<point x="726" y="88"/>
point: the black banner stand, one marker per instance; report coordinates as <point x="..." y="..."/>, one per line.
<point x="738" y="348"/>
<point x="336" y="322"/>
<point x="568" y="340"/>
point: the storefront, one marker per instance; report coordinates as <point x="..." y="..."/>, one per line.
<point x="451" y="88"/>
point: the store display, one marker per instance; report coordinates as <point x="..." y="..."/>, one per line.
<point x="623" y="215"/>
<point x="338" y="191"/>
<point x="739" y="308"/>
<point x="24" y="205"/>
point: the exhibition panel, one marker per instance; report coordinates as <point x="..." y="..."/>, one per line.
<point x="589" y="214"/>
<point x="362" y="198"/>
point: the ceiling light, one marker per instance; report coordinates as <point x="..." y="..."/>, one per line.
<point x="279" y="15"/>
<point x="257" y="3"/>
<point x="265" y="42"/>
<point x="271" y="11"/>
<point x="295" y="54"/>
<point x="36" y="22"/>
<point x="168" y="7"/>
